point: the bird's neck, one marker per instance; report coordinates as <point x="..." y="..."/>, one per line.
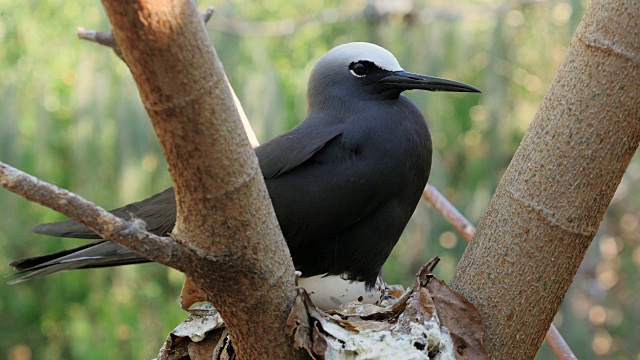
<point x="335" y="104"/>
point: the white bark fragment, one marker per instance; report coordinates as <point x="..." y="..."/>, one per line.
<point x="201" y="320"/>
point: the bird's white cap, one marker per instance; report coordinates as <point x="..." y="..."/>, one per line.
<point x="362" y="51"/>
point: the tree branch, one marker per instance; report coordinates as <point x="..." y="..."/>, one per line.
<point x="567" y="168"/>
<point x="558" y="345"/>
<point x="449" y="212"/>
<point x="223" y="209"/>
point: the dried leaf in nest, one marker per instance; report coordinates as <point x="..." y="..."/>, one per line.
<point x="200" y="321"/>
<point x="195" y="337"/>
<point x="203" y="349"/>
<point x="457" y="318"/>
<point x="461" y="318"/>
<point x="299" y="326"/>
<point x="420" y="307"/>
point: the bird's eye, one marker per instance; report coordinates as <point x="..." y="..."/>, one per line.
<point x="358" y="69"/>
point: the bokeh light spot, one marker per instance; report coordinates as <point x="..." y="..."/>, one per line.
<point x="561" y="13"/>
<point x="448" y="240"/>
<point x="597" y="315"/>
<point x="601" y="343"/>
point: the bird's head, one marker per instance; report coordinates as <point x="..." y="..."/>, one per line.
<point x="365" y="71"/>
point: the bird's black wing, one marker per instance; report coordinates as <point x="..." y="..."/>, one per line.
<point x="287" y="151"/>
<point x="317" y="182"/>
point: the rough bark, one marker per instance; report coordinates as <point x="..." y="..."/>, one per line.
<point x="550" y="202"/>
<point x="225" y="219"/>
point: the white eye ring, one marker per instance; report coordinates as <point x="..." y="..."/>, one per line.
<point x="356" y="75"/>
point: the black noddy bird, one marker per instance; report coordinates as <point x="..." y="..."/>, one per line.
<point x="343" y="183"/>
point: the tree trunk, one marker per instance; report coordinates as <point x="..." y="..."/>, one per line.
<point x="233" y="246"/>
<point x="549" y="204"/>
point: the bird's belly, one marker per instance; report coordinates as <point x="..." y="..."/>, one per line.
<point x="329" y="292"/>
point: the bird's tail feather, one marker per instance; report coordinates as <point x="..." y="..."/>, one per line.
<point x="66" y="228"/>
<point x="28" y="264"/>
<point x="97" y="254"/>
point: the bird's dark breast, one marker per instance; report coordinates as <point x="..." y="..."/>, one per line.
<point x="343" y="210"/>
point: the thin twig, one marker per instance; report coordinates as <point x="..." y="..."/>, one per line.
<point x="559" y="345"/>
<point x="132" y="234"/>
<point x="450" y="213"/>
<point x="555" y="340"/>
<point x="206" y="15"/>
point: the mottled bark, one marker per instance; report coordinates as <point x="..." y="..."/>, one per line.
<point x="225" y="219"/>
<point x="549" y="204"/>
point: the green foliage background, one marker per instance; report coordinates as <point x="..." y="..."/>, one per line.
<point x="70" y="114"/>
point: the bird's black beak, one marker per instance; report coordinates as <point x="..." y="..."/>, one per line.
<point x="404" y="80"/>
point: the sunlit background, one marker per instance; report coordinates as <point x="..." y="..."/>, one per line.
<point x="70" y="114"/>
